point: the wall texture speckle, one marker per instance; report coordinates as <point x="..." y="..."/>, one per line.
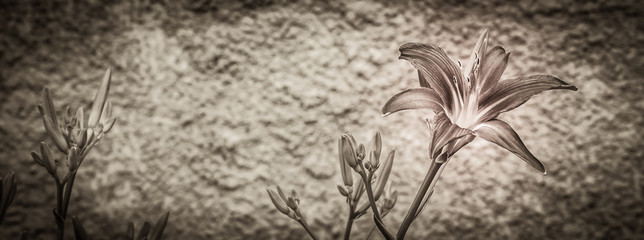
<point x="217" y="101"/>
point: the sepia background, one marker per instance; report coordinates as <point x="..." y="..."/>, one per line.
<point x="218" y="100"/>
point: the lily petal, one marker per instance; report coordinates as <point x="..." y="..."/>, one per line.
<point x="457" y="144"/>
<point x="423" y="82"/>
<point x="99" y="99"/>
<point x="511" y="93"/>
<point x="476" y="58"/>
<point x="491" y="69"/>
<point x="443" y="133"/>
<point x="502" y="134"/>
<point x="414" y="98"/>
<point x="437" y="69"/>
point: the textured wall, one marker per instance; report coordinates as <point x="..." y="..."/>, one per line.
<point x="217" y="101"/>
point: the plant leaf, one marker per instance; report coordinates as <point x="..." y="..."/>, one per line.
<point x="79" y="230"/>
<point x="157" y="231"/>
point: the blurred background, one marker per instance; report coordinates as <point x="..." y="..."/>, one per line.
<point x="218" y="100"/>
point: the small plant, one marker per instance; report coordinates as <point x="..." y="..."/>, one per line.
<point x="466" y="101"/>
<point x="74" y="136"/>
<point x="372" y="179"/>
<point x="7" y="192"/>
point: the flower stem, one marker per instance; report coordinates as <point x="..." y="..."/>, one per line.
<point x="68" y="193"/>
<point x="431" y="177"/>
<point x="366" y="177"/>
<point x="347" y="229"/>
<point x="60" y="223"/>
<point x="371" y="231"/>
<point x="305" y="225"/>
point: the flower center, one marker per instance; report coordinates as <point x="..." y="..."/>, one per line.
<point x="466" y="117"/>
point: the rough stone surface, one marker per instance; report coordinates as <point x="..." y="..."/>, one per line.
<point x="217" y="101"/>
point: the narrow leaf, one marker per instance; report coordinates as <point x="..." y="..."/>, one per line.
<point x="157" y="231"/>
<point x="130" y="231"/>
<point x="143" y="233"/>
<point x="79" y="230"/>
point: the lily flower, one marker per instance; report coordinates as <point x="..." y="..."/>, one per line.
<point x="468" y="99"/>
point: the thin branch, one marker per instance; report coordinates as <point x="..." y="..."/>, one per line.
<point x="366" y="177"/>
<point x="305" y="225"/>
<point x="430" y="180"/>
<point x="347" y="229"/>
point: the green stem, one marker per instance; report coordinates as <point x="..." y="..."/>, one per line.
<point x="366" y="177"/>
<point x="428" y="183"/>
<point x="305" y="225"/>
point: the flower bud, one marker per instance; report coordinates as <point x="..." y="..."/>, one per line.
<point x="391" y="199"/>
<point x="81" y="139"/>
<point x="277" y="201"/>
<point x="367" y="166"/>
<point x="100" y="99"/>
<point x="73" y="159"/>
<point x="37" y="159"/>
<point x="99" y="128"/>
<point x="377" y="144"/>
<point x="293" y="203"/>
<point x="384" y="175"/>
<point x="343" y="191"/>
<point x="345" y="168"/>
<point x="52" y="130"/>
<point x="47" y="106"/>
<point x="81" y="118"/>
<point x="48" y="159"/>
<point x="361" y="152"/>
<point x="293" y="200"/>
<point x="292" y="215"/>
<point x="373" y="160"/>
<point x="358" y="191"/>
<point x="348" y="152"/>
<point x="109" y="124"/>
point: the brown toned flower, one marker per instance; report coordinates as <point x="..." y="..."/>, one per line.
<point x="467" y="99"/>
